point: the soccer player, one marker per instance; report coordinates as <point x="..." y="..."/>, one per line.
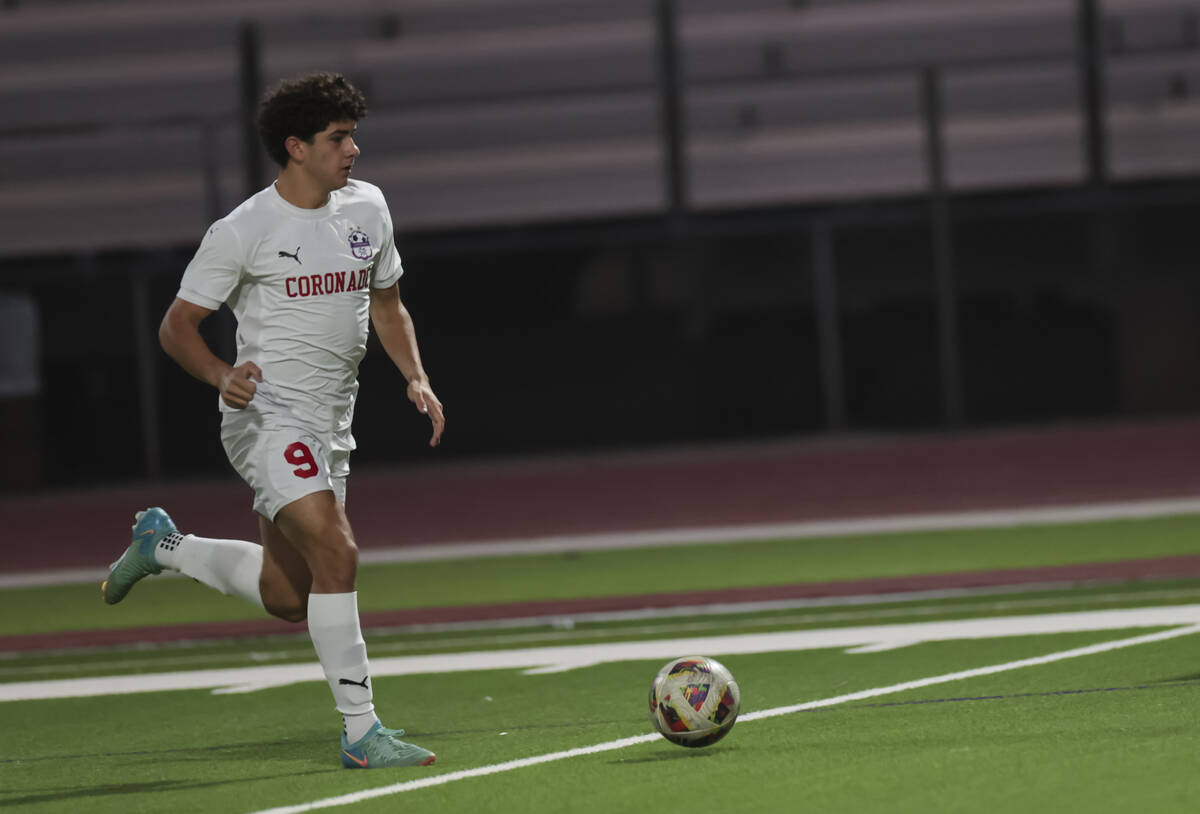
<point x="304" y="265"/>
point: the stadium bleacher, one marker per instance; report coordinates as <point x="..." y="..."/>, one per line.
<point x="122" y="117"/>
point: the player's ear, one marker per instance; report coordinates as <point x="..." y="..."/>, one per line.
<point x="295" y="147"/>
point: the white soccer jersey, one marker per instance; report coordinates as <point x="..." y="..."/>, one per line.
<point x="298" y="281"/>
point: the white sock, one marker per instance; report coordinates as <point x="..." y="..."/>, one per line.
<point x="230" y="566"/>
<point x="355" y="726"/>
<point x="337" y="637"/>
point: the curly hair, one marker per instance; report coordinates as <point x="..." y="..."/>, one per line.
<point x="303" y="107"/>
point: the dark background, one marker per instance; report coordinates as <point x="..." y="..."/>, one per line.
<point x="1068" y="301"/>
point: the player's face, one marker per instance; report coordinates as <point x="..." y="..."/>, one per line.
<point x="332" y="154"/>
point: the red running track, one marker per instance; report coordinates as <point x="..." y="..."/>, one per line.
<point x="784" y="482"/>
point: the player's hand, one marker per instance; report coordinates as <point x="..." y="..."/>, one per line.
<point x="238" y="385"/>
<point x="421" y="394"/>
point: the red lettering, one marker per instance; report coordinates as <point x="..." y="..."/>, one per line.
<point x="331" y="282"/>
<point x="301" y="457"/>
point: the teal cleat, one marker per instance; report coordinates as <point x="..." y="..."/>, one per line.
<point x="381" y="749"/>
<point x="138" y="560"/>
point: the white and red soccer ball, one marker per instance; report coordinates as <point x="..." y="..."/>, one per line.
<point x="694" y="701"/>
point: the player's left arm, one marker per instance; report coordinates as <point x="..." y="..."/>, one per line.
<point x="396" y="333"/>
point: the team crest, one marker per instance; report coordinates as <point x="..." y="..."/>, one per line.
<point x="360" y="244"/>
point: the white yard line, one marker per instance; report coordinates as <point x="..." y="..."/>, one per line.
<point x="568" y="621"/>
<point x="1049" y="515"/>
<point x="496" y="768"/>
<point x="554" y="659"/>
<point x="122" y="656"/>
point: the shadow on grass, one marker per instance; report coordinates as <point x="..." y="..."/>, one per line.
<point x="309" y="747"/>
<point x="491" y="730"/>
<point x="320" y="750"/>
<point x="680" y="754"/>
<point x="82" y="793"/>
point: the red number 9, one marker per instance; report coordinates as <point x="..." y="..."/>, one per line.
<point x="300" y="456"/>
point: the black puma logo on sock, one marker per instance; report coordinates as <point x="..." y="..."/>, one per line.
<point x="362" y="683"/>
<point x="295" y="256"/>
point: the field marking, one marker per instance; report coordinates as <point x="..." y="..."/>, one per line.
<point x="568" y="621"/>
<point x="557" y="544"/>
<point x="496" y="768"/>
<point x="555" y="659"/>
<point x="121" y="656"/>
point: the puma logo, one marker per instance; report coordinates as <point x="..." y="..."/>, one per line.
<point x="295" y="256"/>
<point x="362" y="683"/>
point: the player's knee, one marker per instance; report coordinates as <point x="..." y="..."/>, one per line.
<point x="289" y="612"/>
<point x="336" y="559"/>
<point x="341" y="569"/>
<point x="285" y="604"/>
<point x="282" y="600"/>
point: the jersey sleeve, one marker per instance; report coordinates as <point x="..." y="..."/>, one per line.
<point x="388" y="267"/>
<point x="215" y="270"/>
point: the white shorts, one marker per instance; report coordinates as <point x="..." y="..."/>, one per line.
<point x="283" y="463"/>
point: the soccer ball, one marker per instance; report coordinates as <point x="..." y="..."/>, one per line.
<point x="694" y="701"/>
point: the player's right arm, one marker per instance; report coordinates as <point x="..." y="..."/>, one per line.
<point x="179" y="335"/>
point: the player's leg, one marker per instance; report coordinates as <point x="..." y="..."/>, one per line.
<point x="230" y="566"/>
<point x="317" y="528"/>
<point x="271" y="575"/>
<point x="285" y="580"/>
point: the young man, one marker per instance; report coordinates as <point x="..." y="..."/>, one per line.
<point x="304" y="265"/>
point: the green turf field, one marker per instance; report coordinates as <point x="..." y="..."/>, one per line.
<point x="1104" y="731"/>
<point x="634" y="571"/>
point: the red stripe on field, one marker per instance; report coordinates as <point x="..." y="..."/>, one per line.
<point x="1157" y="568"/>
<point x="754" y="484"/>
